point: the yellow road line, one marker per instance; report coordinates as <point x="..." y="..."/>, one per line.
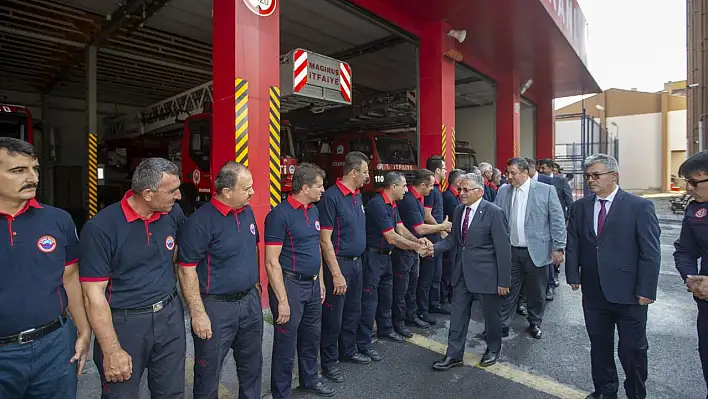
<point x="507" y="371"/>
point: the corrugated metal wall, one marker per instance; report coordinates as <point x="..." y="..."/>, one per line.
<point x="697" y="33"/>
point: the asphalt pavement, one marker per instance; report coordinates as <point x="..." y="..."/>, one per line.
<point x="558" y="365"/>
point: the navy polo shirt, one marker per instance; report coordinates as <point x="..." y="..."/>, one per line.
<point x="297" y="228"/>
<point x="222" y="243"/>
<point x="133" y="254"/>
<point x="342" y="211"/>
<point x="35" y="246"/>
<point x="381" y="217"/>
<point x="434" y="202"/>
<point x="411" y="210"/>
<point x="451" y="199"/>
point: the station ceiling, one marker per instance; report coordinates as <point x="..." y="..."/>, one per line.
<point x="164" y="48"/>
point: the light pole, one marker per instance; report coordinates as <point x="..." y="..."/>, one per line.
<point x="617" y="137"/>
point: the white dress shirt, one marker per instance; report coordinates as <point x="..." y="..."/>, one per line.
<point x="596" y="211"/>
<point x="473" y="210"/>
<point x="535" y="176"/>
<point x="523" y="196"/>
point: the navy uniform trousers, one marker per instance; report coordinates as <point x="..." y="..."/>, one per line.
<point x="40" y="369"/>
<point x="428" y="292"/>
<point x="341" y="313"/>
<point x="237" y="325"/>
<point x="301" y="332"/>
<point x="156" y="340"/>
<point x="405" y="283"/>
<point x="702" y="327"/>
<point x="376" y="297"/>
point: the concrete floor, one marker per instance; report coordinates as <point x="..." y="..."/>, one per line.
<point x="556" y="366"/>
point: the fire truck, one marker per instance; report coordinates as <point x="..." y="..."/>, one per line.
<point x="16" y="122"/>
<point x="188" y="115"/>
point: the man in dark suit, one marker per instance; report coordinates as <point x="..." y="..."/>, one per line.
<point x="613" y="251"/>
<point x="481" y="253"/>
<point x="534" y="175"/>
<point x="565" y="196"/>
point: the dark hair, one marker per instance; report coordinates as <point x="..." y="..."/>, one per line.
<point x="546" y="162"/>
<point x="423" y="176"/>
<point x="434" y="162"/>
<point x="531" y="162"/>
<point x="17" y="146"/>
<point x="353" y="161"/>
<point x="392" y="178"/>
<point x="556" y="165"/>
<point x="148" y="174"/>
<point x="520" y="163"/>
<point x="698" y="163"/>
<point x="228" y="175"/>
<point x="306" y="174"/>
<point x="454" y="175"/>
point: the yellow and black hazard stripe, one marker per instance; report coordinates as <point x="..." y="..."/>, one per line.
<point x="274" y="146"/>
<point x="452" y="145"/>
<point x="444" y="153"/>
<point x="241" y="121"/>
<point x="92" y="175"/>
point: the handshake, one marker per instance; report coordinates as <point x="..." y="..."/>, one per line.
<point x="424" y="248"/>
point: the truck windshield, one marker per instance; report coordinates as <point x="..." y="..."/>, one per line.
<point x="465" y="161"/>
<point x="394" y="150"/>
<point x="13" y="125"/>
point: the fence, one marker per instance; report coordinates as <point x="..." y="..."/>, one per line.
<point x="594" y="139"/>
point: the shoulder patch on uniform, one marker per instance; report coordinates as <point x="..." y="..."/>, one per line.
<point x="317" y="225"/>
<point x="253" y="229"/>
<point x="170" y="243"/>
<point x="47" y="244"/>
<point x="701" y="213"/>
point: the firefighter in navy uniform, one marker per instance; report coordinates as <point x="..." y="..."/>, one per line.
<point x="451" y="199"/>
<point x="343" y="241"/>
<point x="405" y="262"/>
<point x="219" y="272"/>
<point x="39" y="353"/>
<point x="295" y="290"/>
<point x="428" y="293"/>
<point x="384" y="231"/>
<point x="127" y="258"/>
<point x="693" y="245"/>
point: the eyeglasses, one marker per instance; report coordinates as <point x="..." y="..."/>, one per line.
<point x="694" y="182"/>
<point x="467" y="190"/>
<point x="596" y="175"/>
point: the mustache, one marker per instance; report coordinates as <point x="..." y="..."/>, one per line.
<point x="28" y="186"/>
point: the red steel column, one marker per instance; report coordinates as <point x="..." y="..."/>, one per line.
<point x="508" y="118"/>
<point x="437" y="94"/>
<point x="545" y="127"/>
<point x="245" y="46"/>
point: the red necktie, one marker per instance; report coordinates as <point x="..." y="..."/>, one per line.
<point x="465" y="223"/>
<point x="601" y="217"/>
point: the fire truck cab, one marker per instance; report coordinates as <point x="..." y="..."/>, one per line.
<point x="16" y="122"/>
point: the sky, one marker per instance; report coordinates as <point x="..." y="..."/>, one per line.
<point x="634" y="43"/>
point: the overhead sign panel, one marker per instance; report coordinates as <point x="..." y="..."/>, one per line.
<point x="315" y="76"/>
<point x="571" y="21"/>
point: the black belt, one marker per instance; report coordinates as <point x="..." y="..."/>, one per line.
<point x="386" y="252"/>
<point x="34" y="334"/>
<point x="154" y="308"/>
<point x="352" y="258"/>
<point x="229" y="297"/>
<point x="298" y="276"/>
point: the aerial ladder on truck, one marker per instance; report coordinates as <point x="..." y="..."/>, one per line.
<point x="190" y="113"/>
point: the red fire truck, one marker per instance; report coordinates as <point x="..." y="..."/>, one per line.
<point x="16" y="121"/>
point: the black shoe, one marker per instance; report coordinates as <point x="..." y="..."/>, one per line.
<point x="522" y="310"/>
<point x="373" y="354"/>
<point x="535" y="331"/>
<point x="596" y="395"/>
<point x="446" y="364"/>
<point x="489" y="358"/>
<point x="394" y="336"/>
<point x="404" y="331"/>
<point x="441" y="309"/>
<point x="333" y="374"/>
<point x="358" y="358"/>
<point x="426" y="318"/>
<point x="550" y="293"/>
<point x="320" y="389"/>
<point x="417" y="322"/>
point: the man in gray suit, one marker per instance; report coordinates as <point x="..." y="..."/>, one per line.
<point x="537" y="235"/>
<point x="481" y="270"/>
